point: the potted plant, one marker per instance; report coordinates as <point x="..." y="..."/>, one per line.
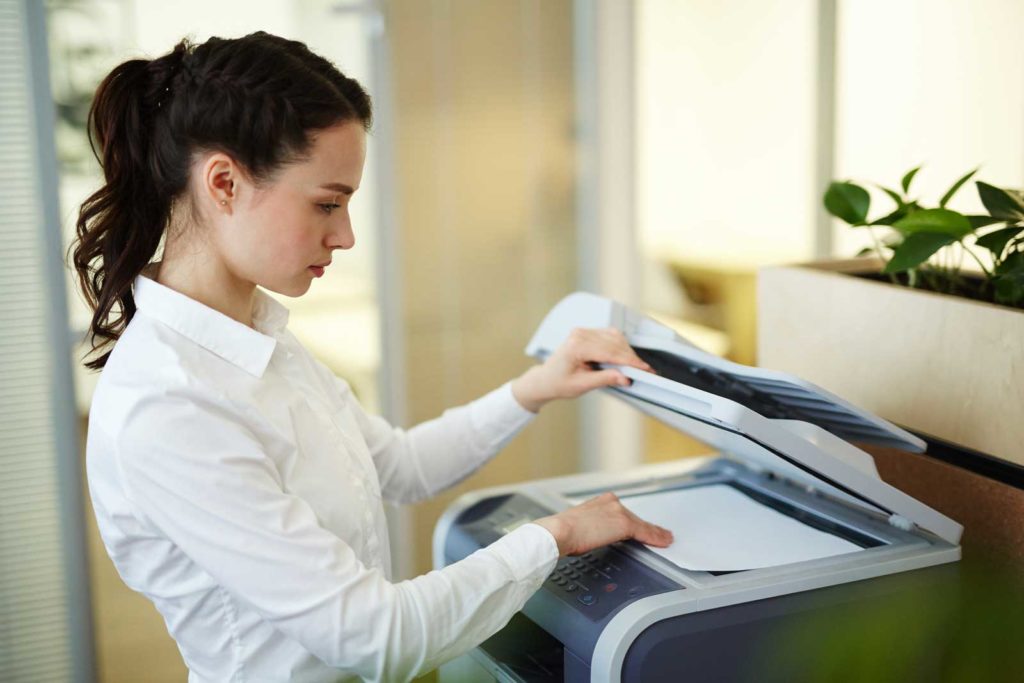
<point x="925" y="247"/>
<point x="910" y="330"/>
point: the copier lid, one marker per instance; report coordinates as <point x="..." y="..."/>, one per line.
<point x="768" y="419"/>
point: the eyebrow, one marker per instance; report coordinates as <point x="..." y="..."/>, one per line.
<point x="337" y="187"/>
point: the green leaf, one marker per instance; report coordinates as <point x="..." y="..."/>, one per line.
<point x="917" y="249"/>
<point x="1009" y="280"/>
<point x="1013" y="263"/>
<point x="907" y="179"/>
<point x="996" y="241"/>
<point x="893" y="194"/>
<point x="981" y="221"/>
<point x="1005" y="205"/>
<point x="848" y="202"/>
<point x="935" y="220"/>
<point x="892" y="218"/>
<point x="956" y="186"/>
<point x="1009" y="290"/>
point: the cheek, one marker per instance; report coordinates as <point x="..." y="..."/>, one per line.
<point x="288" y="236"/>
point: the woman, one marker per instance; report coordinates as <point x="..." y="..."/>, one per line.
<point x="237" y="482"/>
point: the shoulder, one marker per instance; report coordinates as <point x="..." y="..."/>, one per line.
<point x="156" y="382"/>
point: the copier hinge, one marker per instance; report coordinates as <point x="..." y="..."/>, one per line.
<point x="901" y="522"/>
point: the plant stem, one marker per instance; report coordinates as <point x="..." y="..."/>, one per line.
<point x="928" y="275"/>
<point x="975" y="257"/>
<point x="950" y="257"/>
<point x="944" y="269"/>
<point x="878" y="250"/>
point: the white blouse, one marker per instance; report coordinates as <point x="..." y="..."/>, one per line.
<point x="238" y="484"/>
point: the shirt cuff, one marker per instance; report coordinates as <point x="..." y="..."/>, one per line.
<point x="528" y="551"/>
<point x="499" y="416"/>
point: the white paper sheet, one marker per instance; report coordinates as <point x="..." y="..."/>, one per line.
<point x="718" y="528"/>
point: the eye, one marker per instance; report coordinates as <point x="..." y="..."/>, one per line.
<point x="329" y="207"/>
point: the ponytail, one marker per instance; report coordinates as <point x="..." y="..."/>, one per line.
<point x="120" y="225"/>
<point x="257" y="98"/>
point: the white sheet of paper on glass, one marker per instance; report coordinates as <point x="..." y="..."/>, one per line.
<point x="718" y="528"/>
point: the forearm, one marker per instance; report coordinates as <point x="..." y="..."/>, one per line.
<point x="465" y="603"/>
<point x="437" y="454"/>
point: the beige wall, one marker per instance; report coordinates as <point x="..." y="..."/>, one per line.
<point x="484" y="157"/>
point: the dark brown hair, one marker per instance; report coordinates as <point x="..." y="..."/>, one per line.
<point x="257" y="99"/>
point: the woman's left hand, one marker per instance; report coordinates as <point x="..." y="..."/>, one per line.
<point x="570" y="370"/>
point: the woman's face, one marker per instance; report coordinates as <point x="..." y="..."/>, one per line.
<point x="282" y="234"/>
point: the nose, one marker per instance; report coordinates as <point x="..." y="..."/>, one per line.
<point x="342" y="236"/>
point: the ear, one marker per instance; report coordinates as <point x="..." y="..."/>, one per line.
<point x="221" y="181"/>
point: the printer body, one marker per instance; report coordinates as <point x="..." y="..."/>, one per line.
<point x="626" y="612"/>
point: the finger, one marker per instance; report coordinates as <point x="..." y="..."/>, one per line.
<point x="635" y="361"/>
<point x="648" y="532"/>
<point x="596" y="355"/>
<point x="587" y="381"/>
<point x="611" y="346"/>
<point x="652" y="534"/>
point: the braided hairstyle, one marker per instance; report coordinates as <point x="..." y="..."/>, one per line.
<point x="258" y="99"/>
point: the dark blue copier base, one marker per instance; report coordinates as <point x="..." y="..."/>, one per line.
<point x="788" y="638"/>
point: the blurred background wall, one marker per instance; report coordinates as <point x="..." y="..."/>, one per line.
<point x="484" y="167"/>
<point x="657" y="151"/>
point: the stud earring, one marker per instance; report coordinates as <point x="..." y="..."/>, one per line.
<point x="223" y="202"/>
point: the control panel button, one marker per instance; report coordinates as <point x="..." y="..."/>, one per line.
<point x="572" y="587"/>
<point x="587" y="598"/>
<point x="609" y="587"/>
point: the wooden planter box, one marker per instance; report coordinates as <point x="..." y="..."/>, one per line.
<point x="938" y="364"/>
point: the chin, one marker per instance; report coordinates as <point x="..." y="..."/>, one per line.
<point x="292" y="289"/>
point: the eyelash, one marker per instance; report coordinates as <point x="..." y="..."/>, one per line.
<point x="328" y="208"/>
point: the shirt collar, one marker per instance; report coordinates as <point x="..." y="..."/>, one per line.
<point x="248" y="348"/>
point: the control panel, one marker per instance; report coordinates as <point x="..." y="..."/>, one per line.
<point x="593" y="584"/>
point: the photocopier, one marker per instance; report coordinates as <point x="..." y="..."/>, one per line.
<point x="787" y="520"/>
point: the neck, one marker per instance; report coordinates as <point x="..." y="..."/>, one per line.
<point x="208" y="281"/>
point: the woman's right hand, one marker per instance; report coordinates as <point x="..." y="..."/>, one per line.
<point x="599" y="521"/>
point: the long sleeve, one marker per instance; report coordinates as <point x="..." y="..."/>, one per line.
<point x="194" y="472"/>
<point x="432" y="456"/>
